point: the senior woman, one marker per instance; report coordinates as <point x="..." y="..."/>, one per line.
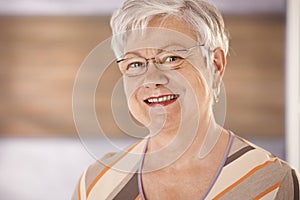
<point x="172" y="54"/>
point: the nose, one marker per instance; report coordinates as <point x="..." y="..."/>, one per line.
<point x="154" y="77"/>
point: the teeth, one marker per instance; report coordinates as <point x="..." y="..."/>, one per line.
<point x="162" y="99"/>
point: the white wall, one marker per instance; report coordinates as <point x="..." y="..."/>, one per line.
<point x="49" y="169"/>
<point x="293" y="83"/>
<point x="98" y="7"/>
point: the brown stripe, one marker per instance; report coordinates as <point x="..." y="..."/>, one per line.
<point x="296" y="185"/>
<point x="238" y="154"/>
<point x="130" y="190"/>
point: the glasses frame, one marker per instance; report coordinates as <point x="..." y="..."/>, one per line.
<point x="156" y="61"/>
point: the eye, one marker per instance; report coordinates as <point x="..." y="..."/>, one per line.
<point x="171" y="59"/>
<point x="135" y="65"/>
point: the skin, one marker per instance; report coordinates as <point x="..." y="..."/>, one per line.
<point x="179" y="128"/>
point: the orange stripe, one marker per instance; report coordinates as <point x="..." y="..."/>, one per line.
<point x="243" y="178"/>
<point x="78" y="188"/>
<point x="138" y="197"/>
<point x="268" y="191"/>
<point x="107" y="168"/>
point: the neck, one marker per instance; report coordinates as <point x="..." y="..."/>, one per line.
<point x="191" y="128"/>
<point x="193" y="138"/>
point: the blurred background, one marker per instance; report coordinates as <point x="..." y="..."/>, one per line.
<point x="43" y="44"/>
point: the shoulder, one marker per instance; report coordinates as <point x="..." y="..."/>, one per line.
<point x="103" y="178"/>
<point x="260" y="172"/>
<point x="246" y="154"/>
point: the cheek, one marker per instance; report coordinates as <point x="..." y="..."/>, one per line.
<point x="139" y="111"/>
<point x="200" y="83"/>
<point x="131" y="91"/>
<point x="135" y="104"/>
<point x="131" y="87"/>
<point x="200" y="76"/>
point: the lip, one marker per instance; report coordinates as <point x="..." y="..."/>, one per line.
<point x="162" y="100"/>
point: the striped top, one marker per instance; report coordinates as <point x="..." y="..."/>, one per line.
<point x="248" y="172"/>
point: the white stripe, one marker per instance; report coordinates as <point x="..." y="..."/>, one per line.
<point x="82" y="187"/>
<point x="112" y="178"/>
<point x="237" y="169"/>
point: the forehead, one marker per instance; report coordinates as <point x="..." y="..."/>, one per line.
<point x="161" y="33"/>
<point x="174" y="24"/>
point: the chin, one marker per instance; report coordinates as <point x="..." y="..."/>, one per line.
<point x="140" y="117"/>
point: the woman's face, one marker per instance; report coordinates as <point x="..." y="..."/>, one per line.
<point x="164" y="99"/>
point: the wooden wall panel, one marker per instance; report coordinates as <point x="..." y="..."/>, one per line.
<point x="40" y="57"/>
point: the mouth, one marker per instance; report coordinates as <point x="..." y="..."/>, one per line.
<point x="163" y="100"/>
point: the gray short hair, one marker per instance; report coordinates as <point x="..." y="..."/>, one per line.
<point x="203" y="17"/>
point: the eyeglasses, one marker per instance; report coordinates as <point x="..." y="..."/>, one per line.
<point x="165" y="60"/>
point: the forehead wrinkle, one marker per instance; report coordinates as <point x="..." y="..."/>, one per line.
<point x="139" y="52"/>
<point x="158" y="50"/>
<point x="159" y="35"/>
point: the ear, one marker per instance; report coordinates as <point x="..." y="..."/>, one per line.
<point x="219" y="60"/>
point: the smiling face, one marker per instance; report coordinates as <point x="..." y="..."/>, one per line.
<point x="166" y="98"/>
